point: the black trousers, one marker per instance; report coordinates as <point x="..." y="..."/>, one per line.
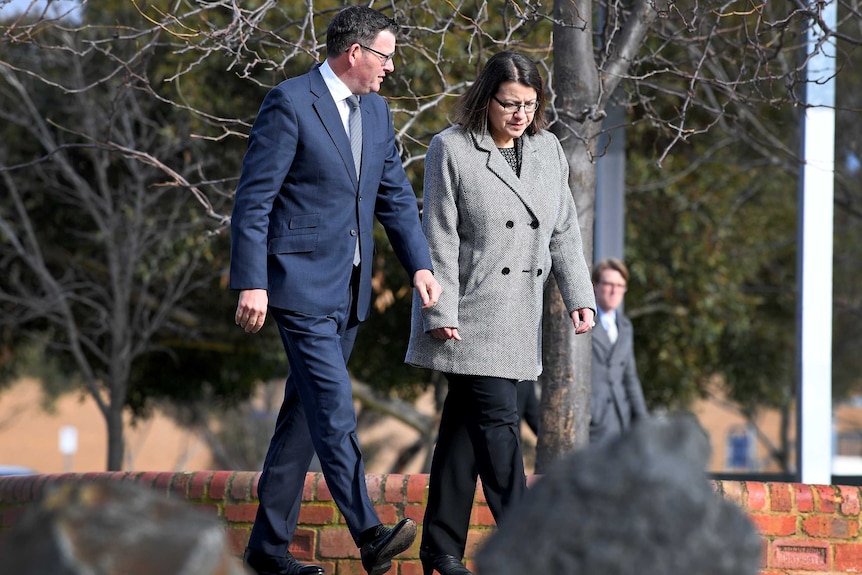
<point x="479" y="437"/>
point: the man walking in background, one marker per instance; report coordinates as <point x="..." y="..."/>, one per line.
<point x="321" y="164"/>
<point x="617" y="398"/>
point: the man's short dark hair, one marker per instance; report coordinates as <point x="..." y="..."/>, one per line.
<point x="356" y="25"/>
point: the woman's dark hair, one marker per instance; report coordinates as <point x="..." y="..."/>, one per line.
<point x="472" y="109"/>
<point x="356" y="25"/>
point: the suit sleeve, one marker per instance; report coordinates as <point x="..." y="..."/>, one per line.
<point x="631" y="382"/>
<point x="270" y="153"/>
<point x="440" y="224"/>
<point x="396" y="210"/>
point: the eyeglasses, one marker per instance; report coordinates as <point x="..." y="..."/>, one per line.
<point x="512" y="107"/>
<point x="611" y="285"/>
<point x="386" y="57"/>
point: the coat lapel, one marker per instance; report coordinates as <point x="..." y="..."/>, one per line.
<point x="327" y="111"/>
<point x="498" y="165"/>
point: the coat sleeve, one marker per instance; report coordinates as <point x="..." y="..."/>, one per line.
<point x="270" y="153"/>
<point x="567" y="250"/>
<point x="440" y="224"/>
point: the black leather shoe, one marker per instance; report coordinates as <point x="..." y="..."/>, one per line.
<point x="288" y="565"/>
<point x="377" y="554"/>
<point x="443" y="564"/>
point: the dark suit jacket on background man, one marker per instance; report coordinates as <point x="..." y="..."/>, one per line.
<point x="617" y="399"/>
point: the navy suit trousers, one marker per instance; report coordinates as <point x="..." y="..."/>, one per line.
<point x="317" y="415"/>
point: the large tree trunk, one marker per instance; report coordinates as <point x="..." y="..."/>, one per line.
<point x="565" y="406"/>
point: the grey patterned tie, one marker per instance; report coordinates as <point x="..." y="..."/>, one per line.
<point x="354" y="125"/>
<point x="354" y="122"/>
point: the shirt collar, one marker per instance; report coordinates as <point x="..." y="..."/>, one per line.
<point x="337" y="88"/>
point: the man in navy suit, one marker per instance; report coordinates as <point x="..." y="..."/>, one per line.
<point x="617" y="399"/>
<point x="313" y="179"/>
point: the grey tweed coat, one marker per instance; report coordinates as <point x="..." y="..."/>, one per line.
<point x="494" y="240"/>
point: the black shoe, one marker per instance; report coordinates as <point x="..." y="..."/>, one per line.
<point x="377" y="554"/>
<point x="288" y="565"/>
<point x="443" y="564"/>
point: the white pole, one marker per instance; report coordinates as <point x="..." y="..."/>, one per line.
<point x="814" y="308"/>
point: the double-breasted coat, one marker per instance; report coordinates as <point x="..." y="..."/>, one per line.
<point x="495" y="239"/>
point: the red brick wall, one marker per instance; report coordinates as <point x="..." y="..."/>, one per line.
<point x="807" y="529"/>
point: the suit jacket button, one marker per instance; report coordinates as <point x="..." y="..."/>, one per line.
<point x="538" y="273"/>
<point x="534" y="224"/>
<point x="505" y="271"/>
<point x="352" y="232"/>
<point x="510" y="224"/>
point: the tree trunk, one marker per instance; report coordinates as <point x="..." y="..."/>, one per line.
<point x="116" y="439"/>
<point x="565" y="405"/>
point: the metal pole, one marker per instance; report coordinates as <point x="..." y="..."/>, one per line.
<point x="814" y="306"/>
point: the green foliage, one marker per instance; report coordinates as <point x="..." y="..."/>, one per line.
<point x="712" y="255"/>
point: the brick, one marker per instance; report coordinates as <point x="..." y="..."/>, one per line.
<point x="848" y="557"/>
<point x="307" y="487"/>
<point x="240" y="485"/>
<point x="394" y="488"/>
<point x="198" y="485"/>
<point x="240" y="512"/>
<point x="732" y="491"/>
<point x="826" y="527"/>
<point x="323" y="493"/>
<point x="475" y="539"/>
<point x="415" y="512"/>
<point x="774" y="525"/>
<point x="388" y="514"/>
<point x="756" y="496"/>
<point x="417" y="488"/>
<point x="799" y="554"/>
<point x="181" y="484"/>
<point x="804" y="498"/>
<point x="316" y="514"/>
<point x="411" y="568"/>
<point x="163" y="481"/>
<point x="350" y="568"/>
<point x="218" y="484"/>
<point x="828" y="499"/>
<point x="302" y="546"/>
<point x="780" y="498"/>
<point x="849" y="500"/>
<point x="372" y="485"/>
<point x="147" y="478"/>
<point x="481" y="515"/>
<point x="210" y="509"/>
<point x="337" y="543"/>
<point x="479" y="496"/>
<point x="237" y="539"/>
<point x="255" y="479"/>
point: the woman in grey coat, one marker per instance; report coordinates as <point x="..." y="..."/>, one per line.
<point x="499" y="218"/>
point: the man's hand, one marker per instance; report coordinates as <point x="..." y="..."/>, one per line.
<point x="428" y="287"/>
<point x="251" y="309"/>
<point x="582" y="319"/>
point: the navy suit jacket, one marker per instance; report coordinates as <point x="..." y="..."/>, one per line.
<point x="299" y="208"/>
<point x="617" y="399"/>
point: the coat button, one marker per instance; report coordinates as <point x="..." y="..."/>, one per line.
<point x="352" y="232"/>
<point x="510" y="224"/>
<point x="538" y="273"/>
<point x="534" y="224"/>
<point x="505" y="271"/>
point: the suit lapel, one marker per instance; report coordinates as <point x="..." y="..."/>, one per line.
<point x="498" y="165"/>
<point x="327" y="111"/>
